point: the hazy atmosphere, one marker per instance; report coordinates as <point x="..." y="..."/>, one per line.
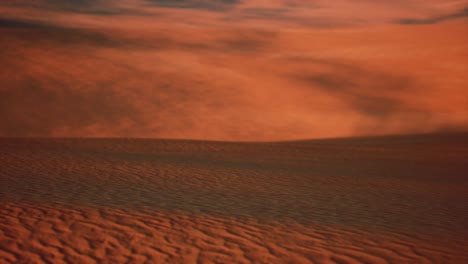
<point x="232" y="70"/>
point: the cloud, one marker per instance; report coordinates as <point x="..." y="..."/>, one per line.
<point x="212" y="5"/>
<point x="41" y="32"/>
<point x="39" y="108"/>
<point x="35" y="32"/>
<point x="378" y="98"/>
<point x="371" y="96"/>
<point x="72" y="72"/>
<point x="247" y="40"/>
<point x="437" y="19"/>
<point x="52" y="87"/>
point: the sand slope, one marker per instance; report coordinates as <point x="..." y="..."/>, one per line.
<point x="399" y="199"/>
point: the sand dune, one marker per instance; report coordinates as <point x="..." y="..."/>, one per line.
<point x="394" y="199"/>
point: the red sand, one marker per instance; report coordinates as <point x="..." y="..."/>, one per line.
<point x="398" y="199"/>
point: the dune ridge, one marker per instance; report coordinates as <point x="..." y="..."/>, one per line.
<point x="393" y="199"/>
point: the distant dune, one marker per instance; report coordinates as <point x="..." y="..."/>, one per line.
<point x="393" y="199"/>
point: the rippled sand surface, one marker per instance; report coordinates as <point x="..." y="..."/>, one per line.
<point x="398" y="199"/>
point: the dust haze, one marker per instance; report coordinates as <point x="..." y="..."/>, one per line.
<point x="232" y="70"/>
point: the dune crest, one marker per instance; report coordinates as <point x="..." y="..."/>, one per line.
<point x="360" y="200"/>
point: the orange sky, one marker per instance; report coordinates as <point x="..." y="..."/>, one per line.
<point x="232" y="69"/>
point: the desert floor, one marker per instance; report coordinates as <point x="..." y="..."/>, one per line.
<point x="392" y="199"/>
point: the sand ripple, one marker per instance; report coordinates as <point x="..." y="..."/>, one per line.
<point x="365" y="200"/>
<point x="35" y="234"/>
